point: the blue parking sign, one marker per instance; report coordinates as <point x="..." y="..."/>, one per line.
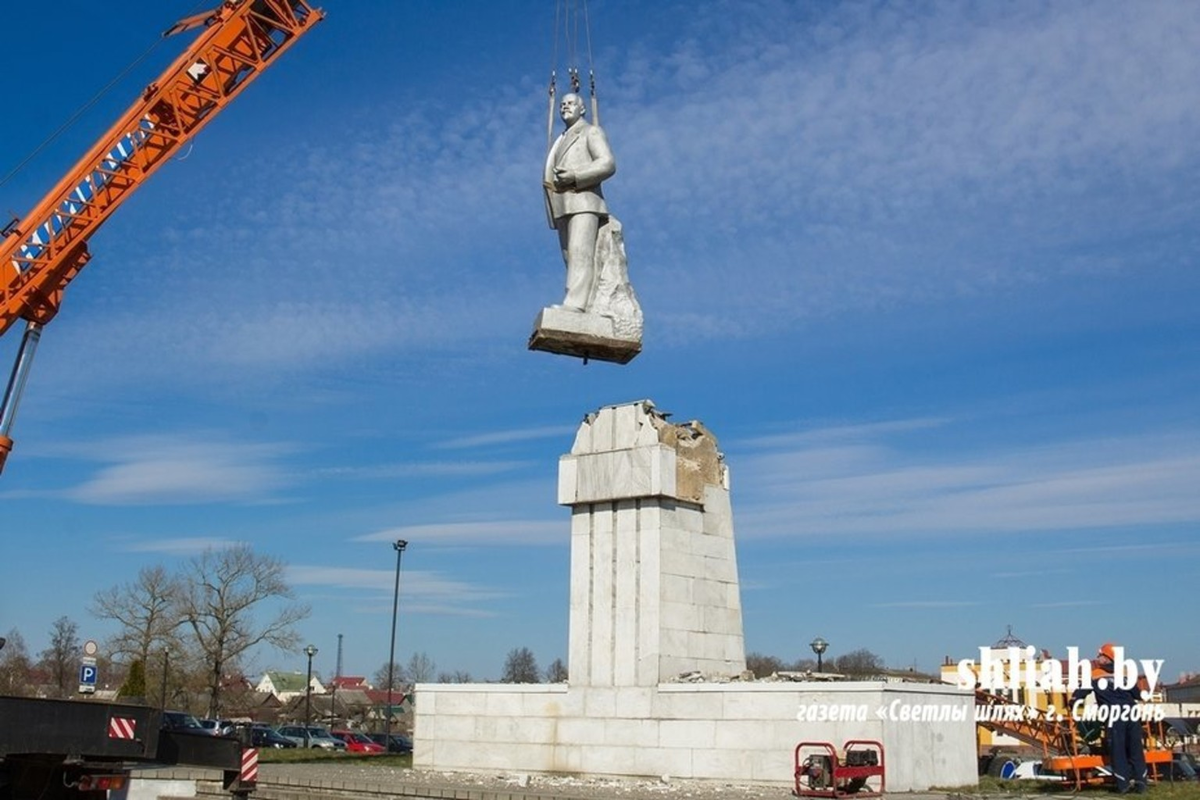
<point x="87" y="674"/>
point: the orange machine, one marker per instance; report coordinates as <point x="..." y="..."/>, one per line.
<point x="43" y="252"/>
<point x="1065" y="745"/>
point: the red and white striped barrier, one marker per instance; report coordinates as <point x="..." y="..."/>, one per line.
<point x="121" y="727"/>
<point x="249" y="773"/>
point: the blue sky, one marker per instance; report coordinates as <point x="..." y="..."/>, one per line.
<point x="928" y="272"/>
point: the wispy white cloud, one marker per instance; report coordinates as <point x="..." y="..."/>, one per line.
<point x="420" y="591"/>
<point x="509" y="436"/>
<point x="501" y="533"/>
<point x="427" y="469"/>
<point x="838" y="434"/>
<point x="927" y="604"/>
<point x="1029" y="573"/>
<point x="873" y="109"/>
<point x="870" y="150"/>
<point x="161" y="470"/>
<point x="415" y="581"/>
<point x="444" y="610"/>
<point x="878" y="488"/>
<point x="182" y="546"/>
<point x="1137" y="550"/>
<point x="840" y="158"/>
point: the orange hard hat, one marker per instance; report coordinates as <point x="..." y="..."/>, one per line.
<point x="1107" y="650"/>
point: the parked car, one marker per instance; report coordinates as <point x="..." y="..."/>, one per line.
<point x="267" y="738"/>
<point x="218" y="727"/>
<point x="182" y="722"/>
<point x="396" y="743"/>
<point x="312" y="736"/>
<point x="358" y="742"/>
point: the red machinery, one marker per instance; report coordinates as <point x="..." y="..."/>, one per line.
<point x="821" y="772"/>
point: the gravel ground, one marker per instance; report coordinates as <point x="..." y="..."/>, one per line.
<point x="666" y="788"/>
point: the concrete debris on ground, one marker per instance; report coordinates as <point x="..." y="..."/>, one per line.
<point x="665" y="787"/>
<point x="749" y="677"/>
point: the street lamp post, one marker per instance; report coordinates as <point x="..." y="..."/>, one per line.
<point x="309" y="651"/>
<point x="399" y="545"/>
<point x="819" y="646"/>
<point x="166" y="666"/>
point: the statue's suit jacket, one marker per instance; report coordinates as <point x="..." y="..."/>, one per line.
<point x="583" y="149"/>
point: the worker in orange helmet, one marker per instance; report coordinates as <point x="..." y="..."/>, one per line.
<point x="1126" y="751"/>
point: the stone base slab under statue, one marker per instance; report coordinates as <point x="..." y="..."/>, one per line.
<point x="568" y="332"/>
<point x="654" y="595"/>
<point x="610" y="328"/>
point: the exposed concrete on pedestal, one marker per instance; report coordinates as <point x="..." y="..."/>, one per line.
<point x="654" y="593"/>
<point x="654" y="586"/>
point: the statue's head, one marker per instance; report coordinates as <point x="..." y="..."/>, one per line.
<point x="571" y="108"/>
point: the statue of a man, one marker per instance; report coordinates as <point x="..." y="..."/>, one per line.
<point x="578" y="161"/>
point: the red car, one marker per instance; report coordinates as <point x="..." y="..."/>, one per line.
<point x="357" y="742"/>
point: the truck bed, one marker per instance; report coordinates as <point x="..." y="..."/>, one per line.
<point x="94" y="731"/>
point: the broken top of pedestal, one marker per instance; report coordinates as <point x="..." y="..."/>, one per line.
<point x="631" y="451"/>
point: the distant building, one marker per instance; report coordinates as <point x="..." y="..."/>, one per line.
<point x="1186" y="691"/>
<point x="1015" y="686"/>
<point x="287" y="685"/>
<point x="258" y="707"/>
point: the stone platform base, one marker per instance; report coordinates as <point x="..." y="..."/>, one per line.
<point x="583" y="335"/>
<point x="734" y="732"/>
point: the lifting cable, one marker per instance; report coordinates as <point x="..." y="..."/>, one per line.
<point x="79" y="112"/>
<point x="567" y="19"/>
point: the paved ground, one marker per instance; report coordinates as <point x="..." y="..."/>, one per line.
<point x="517" y="784"/>
<point x="542" y="787"/>
<point x="330" y="779"/>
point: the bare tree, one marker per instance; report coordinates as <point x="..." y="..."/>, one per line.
<point x="421" y="668"/>
<point x="763" y="666"/>
<point x="858" y="662"/>
<point x="458" y="676"/>
<point x="399" y="677"/>
<point x="61" y="658"/>
<point x="147" y="611"/>
<point x="219" y="595"/>
<point x="520" y="667"/>
<point x="15" y="665"/>
<point x="556" y="672"/>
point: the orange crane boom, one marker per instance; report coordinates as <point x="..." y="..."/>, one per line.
<point x="42" y="253"/>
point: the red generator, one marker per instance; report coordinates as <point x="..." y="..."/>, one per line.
<point x="820" y="771"/>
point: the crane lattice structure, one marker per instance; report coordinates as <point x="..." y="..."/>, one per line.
<point x="43" y="252"/>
